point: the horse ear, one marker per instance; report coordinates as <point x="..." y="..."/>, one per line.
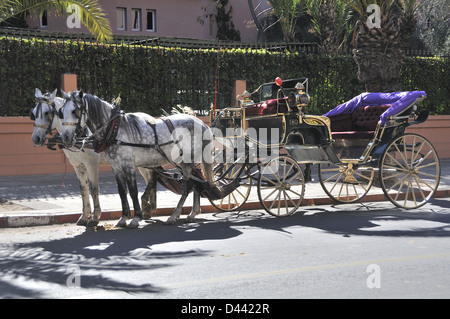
<point x="64" y="94"/>
<point x="53" y="95"/>
<point x="38" y="93"/>
<point x="80" y="95"/>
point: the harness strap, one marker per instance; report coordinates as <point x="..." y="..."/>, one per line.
<point x="111" y="132"/>
<point x="157" y="145"/>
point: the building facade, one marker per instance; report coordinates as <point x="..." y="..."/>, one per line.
<point x="193" y="19"/>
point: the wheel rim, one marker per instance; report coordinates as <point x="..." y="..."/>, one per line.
<point x="409" y="171"/>
<point x="236" y="198"/>
<point x="345" y="183"/>
<point x="281" y="186"/>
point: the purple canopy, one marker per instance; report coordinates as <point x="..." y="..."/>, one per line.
<point x="399" y="101"/>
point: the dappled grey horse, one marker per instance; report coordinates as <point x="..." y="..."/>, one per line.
<point x="85" y="163"/>
<point x="132" y="140"/>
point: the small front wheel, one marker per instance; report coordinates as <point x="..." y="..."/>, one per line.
<point x="281" y="186"/>
<point x="239" y="196"/>
<point x="409" y="171"/>
<point x="345" y="182"/>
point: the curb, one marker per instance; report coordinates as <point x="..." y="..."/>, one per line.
<point x="30" y="219"/>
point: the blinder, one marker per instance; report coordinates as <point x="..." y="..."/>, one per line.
<point x="51" y="113"/>
<point x="78" y="112"/>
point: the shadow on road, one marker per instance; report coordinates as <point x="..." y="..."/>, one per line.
<point x="98" y="253"/>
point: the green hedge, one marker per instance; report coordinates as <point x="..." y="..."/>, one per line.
<point x="153" y="78"/>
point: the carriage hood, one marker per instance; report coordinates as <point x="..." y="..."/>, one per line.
<point x="399" y="101"/>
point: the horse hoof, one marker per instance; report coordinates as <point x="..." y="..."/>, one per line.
<point x="82" y="222"/>
<point x="122" y="222"/>
<point x="190" y="220"/>
<point x="134" y="223"/>
<point x="171" y="221"/>
<point x="92" y="223"/>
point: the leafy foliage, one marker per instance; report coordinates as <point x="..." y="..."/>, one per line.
<point x="91" y="14"/>
<point x="150" y="79"/>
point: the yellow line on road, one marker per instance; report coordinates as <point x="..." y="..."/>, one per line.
<point x="302" y="269"/>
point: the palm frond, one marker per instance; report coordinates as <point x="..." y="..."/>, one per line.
<point x="92" y="15"/>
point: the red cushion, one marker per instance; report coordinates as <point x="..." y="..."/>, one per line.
<point x="266" y="107"/>
<point x="366" y="118"/>
<point x="361" y="124"/>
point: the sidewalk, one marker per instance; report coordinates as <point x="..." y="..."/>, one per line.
<point x="55" y="199"/>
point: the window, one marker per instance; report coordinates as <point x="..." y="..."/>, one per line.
<point x="136" y="19"/>
<point x="151" y="20"/>
<point x="43" y="19"/>
<point x="121" y="20"/>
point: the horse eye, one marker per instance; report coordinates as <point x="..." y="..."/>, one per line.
<point x="74" y="112"/>
<point x="46" y="113"/>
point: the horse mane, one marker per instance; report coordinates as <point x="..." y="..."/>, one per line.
<point x="180" y="110"/>
<point x="97" y="109"/>
<point x="97" y="112"/>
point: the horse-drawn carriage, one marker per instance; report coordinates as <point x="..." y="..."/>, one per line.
<point x="266" y="140"/>
<point x="354" y="145"/>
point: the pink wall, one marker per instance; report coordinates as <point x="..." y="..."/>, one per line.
<point x="19" y="157"/>
<point x="174" y="18"/>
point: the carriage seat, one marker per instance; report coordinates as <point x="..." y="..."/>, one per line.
<point x="360" y="124"/>
<point x="266" y="107"/>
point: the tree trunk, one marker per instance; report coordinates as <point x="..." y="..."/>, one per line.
<point x="379" y="55"/>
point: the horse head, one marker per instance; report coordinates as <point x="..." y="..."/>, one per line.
<point x="44" y="116"/>
<point x="73" y="115"/>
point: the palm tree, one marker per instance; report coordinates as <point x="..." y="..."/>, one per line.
<point x="331" y="24"/>
<point x="288" y="11"/>
<point x="379" y="49"/>
<point x="91" y="14"/>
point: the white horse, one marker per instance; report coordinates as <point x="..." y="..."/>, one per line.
<point x="85" y="163"/>
<point x="132" y="140"/>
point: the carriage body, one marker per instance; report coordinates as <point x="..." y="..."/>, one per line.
<point x="357" y="142"/>
<point x="270" y="119"/>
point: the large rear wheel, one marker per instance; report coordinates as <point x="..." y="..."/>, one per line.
<point x="409" y="171"/>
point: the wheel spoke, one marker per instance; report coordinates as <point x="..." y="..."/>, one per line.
<point x="413" y="184"/>
<point x="277" y="197"/>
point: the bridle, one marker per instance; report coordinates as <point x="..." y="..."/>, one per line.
<point x="51" y="114"/>
<point x="111" y="127"/>
<point x="79" y="112"/>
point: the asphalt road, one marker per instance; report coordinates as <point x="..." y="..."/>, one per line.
<point x="348" y="251"/>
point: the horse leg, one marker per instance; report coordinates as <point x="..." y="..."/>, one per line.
<point x="187" y="186"/>
<point x="132" y="187"/>
<point x="196" y="209"/>
<point x="148" y="199"/>
<point x="95" y="190"/>
<point x="84" y="191"/>
<point x="122" y="188"/>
